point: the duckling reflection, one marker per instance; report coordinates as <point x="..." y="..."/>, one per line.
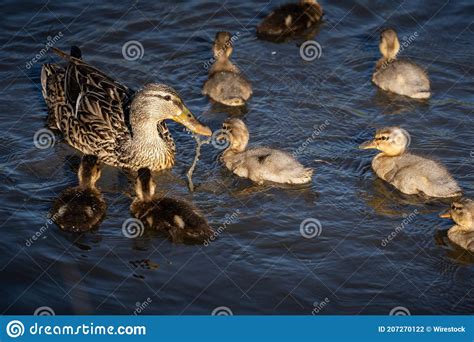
<point x="399" y="76"/>
<point x="180" y="221"/>
<point x="290" y="21"/>
<point x="226" y="84"/>
<point x="409" y="173"/>
<point x="462" y="213"/>
<point x="81" y="208"/>
<point x="260" y="164"/>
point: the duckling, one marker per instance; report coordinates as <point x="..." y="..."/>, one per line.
<point x="462" y="213"/>
<point x="290" y="21"/>
<point x="399" y="76"/>
<point x="226" y="84"/>
<point x="260" y="164"/>
<point x="409" y="173"/>
<point x="180" y="221"/>
<point x="81" y="208"/>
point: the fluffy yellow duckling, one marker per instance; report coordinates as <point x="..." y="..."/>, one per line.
<point x="409" y="173"/>
<point x="81" y="208"/>
<point x="179" y="220"/>
<point x="399" y="76"/>
<point x="462" y="213"/>
<point x="260" y="164"/>
<point x="226" y="84"/>
<point x="290" y="21"/>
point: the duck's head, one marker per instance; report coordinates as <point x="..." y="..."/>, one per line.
<point x="237" y="134"/>
<point x="160" y="102"/>
<point x="145" y="185"/>
<point x="389" y="44"/>
<point x="222" y="47"/>
<point x="392" y="141"/>
<point x="89" y="171"/>
<point x="461" y="212"/>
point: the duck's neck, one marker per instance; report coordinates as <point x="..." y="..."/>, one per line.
<point x="223" y="63"/>
<point x="383" y="62"/>
<point x="151" y="142"/>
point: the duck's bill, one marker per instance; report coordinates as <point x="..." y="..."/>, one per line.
<point x="446" y="215"/>
<point x="187" y="119"/>
<point x="367" y="145"/>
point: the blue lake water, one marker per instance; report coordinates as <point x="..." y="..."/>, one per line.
<point x="260" y="263"/>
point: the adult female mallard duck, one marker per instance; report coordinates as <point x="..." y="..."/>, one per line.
<point x="179" y="220"/>
<point x="462" y="213"/>
<point x="226" y="84"/>
<point x="290" y="20"/>
<point x="409" y="173"/>
<point x="97" y="115"/>
<point x="260" y="164"/>
<point x="397" y="75"/>
<point x="81" y="208"/>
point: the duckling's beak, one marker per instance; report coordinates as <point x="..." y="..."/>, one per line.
<point x="187" y="119"/>
<point x="368" y="144"/>
<point x="446" y="214"/>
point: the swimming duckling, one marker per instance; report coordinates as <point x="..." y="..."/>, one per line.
<point x="399" y="76"/>
<point x="180" y="221"/>
<point x="290" y="21"/>
<point x="409" y="173"/>
<point x="226" y="84"/>
<point x="260" y="164"/>
<point x="81" y="208"/>
<point x="462" y="213"/>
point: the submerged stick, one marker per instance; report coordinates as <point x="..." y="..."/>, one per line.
<point x="189" y="174"/>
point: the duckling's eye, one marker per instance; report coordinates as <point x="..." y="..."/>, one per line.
<point x="168" y="98"/>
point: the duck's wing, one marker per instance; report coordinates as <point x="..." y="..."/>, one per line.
<point x="94" y="121"/>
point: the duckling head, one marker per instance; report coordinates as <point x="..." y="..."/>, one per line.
<point x="237" y="133"/>
<point x="222" y="47"/>
<point x="145" y="185"/>
<point x="389" y="44"/>
<point x="158" y="102"/>
<point x="461" y="212"/>
<point x="391" y="141"/>
<point x="89" y="171"/>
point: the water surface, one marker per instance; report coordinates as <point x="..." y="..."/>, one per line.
<point x="260" y="263"/>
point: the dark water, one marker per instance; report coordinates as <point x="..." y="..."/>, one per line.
<point x="260" y="263"/>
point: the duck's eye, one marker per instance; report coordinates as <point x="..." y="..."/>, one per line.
<point x="168" y="98"/>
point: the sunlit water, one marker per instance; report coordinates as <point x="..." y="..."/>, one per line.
<point x="260" y="262"/>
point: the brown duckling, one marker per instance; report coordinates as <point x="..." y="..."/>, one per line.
<point x="409" y="173"/>
<point x="260" y="164"/>
<point x="81" y="208"/>
<point x="226" y="84"/>
<point x="462" y="213"/>
<point x="177" y="219"/>
<point x="399" y="76"/>
<point x="290" y="21"/>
